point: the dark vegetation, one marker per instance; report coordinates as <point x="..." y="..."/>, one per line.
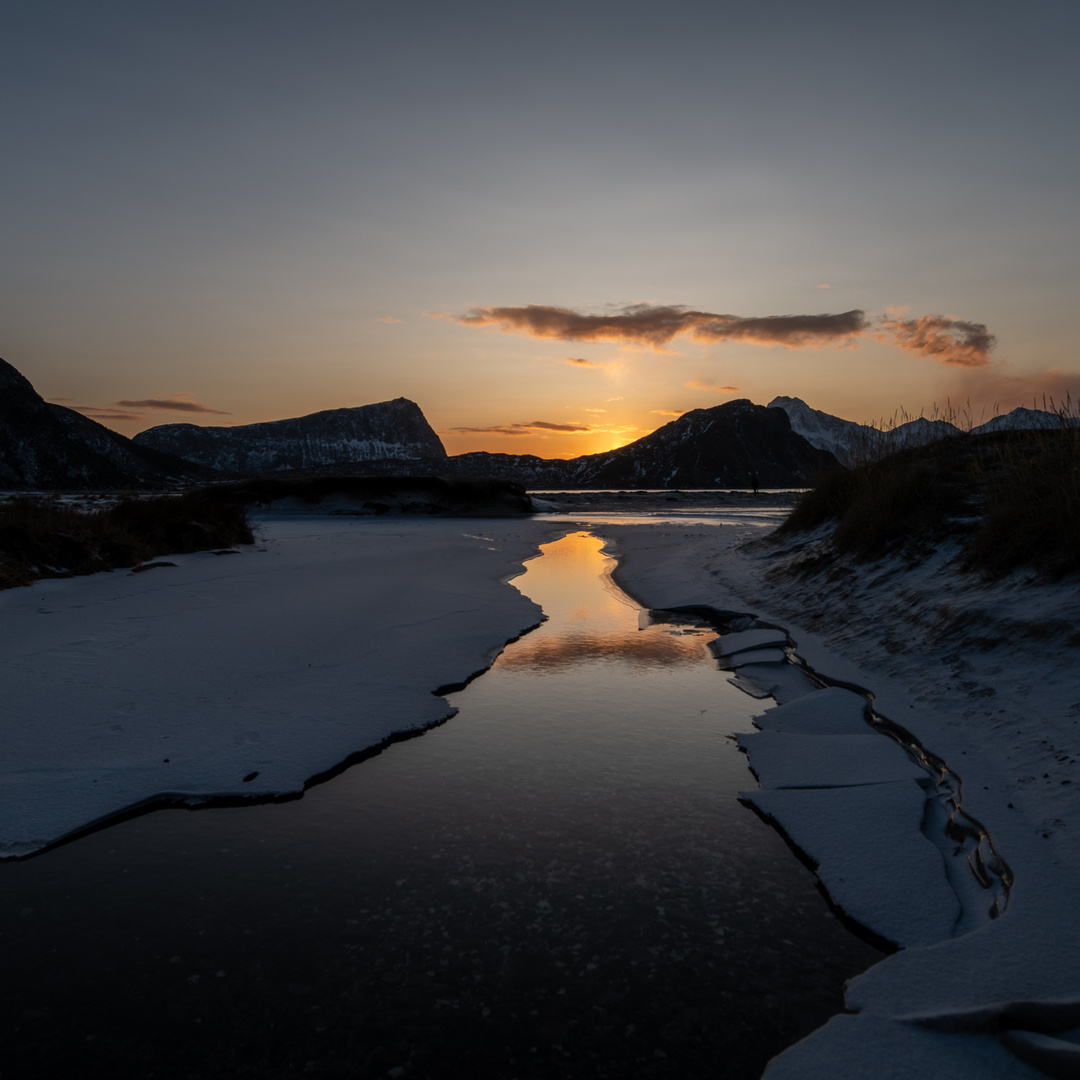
<point x="384" y="494"/>
<point x="1009" y="499"/>
<point x="49" y="538"/>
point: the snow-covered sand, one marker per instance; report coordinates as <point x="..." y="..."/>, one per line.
<point x="986" y="677"/>
<point x="282" y="660"/>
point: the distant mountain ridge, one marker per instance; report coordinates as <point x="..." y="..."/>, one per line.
<point x="45" y="446"/>
<point x="725" y="446"/>
<point x="849" y="440"/>
<point x="386" y="431"/>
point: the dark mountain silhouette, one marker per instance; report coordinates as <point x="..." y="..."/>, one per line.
<point x="45" y="446"/>
<point x="389" y="431"/>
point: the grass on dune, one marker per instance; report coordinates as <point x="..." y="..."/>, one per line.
<point x="1009" y="499"/>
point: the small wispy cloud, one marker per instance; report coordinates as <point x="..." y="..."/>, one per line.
<point x="668" y="412"/>
<point x="388" y="319"/>
<point x="698" y="384"/>
<point x="593" y="410"/>
<point x="180" y="402"/>
<point x="530" y="427"/>
<point x="822" y="286"/>
<point x="105" y="414"/>
<point x="581" y="362"/>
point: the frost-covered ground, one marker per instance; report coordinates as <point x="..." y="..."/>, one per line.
<point x="986" y="677"/>
<point x="244" y="674"/>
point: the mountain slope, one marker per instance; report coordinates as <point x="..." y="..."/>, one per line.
<point x="45" y="446"/>
<point x="725" y="446"/>
<point x="387" y="431"/>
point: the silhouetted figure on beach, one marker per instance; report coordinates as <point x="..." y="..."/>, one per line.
<point x="754" y="482"/>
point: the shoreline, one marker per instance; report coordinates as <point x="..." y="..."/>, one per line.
<point x="850" y="630"/>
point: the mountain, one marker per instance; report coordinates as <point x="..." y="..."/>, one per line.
<point x="851" y="442"/>
<point x="1025" y="419"/>
<point x="389" y="431"/>
<point x="725" y="446"/>
<point x="821" y="429"/>
<point x="45" y="446"/>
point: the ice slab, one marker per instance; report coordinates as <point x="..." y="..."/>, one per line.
<point x="781" y="682"/>
<point x="729" y="644"/>
<point x="1051" y="1056"/>
<point x="860" y="1047"/>
<point x="832" y="711"/>
<point x="784" y="760"/>
<point x="243" y="676"/>
<point x="872" y="856"/>
<point x="753" y="656"/>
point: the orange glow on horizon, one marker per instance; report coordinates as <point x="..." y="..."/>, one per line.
<point x="554" y="446"/>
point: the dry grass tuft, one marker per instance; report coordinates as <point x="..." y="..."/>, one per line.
<point x="47" y="538"/>
<point x="1010" y="499"/>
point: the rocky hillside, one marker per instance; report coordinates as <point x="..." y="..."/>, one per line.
<point x="389" y="431"/>
<point x="726" y="446"/>
<point x="45" y="446"/>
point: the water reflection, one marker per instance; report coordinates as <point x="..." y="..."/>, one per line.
<point x="589" y="626"/>
<point x="557" y="883"/>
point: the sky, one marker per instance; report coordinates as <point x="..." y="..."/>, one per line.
<point x="554" y="226"/>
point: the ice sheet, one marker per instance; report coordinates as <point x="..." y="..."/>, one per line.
<point x="783" y="760"/>
<point x="729" y="644"/>
<point x="872" y="856"/>
<point x="832" y="711"/>
<point x="243" y="675"/>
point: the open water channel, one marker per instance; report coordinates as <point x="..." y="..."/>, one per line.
<point x="557" y="883"/>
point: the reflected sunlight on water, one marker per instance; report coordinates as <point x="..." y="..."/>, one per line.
<point x="590" y="626"/>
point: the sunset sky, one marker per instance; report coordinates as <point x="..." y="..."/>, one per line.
<point x="553" y="226"/>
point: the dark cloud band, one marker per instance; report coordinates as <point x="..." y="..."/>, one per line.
<point x="939" y="337"/>
<point x="172" y="405"/>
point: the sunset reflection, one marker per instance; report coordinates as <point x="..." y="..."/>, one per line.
<point x="598" y="626"/>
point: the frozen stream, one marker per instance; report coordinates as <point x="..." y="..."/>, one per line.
<point x="559" y="882"/>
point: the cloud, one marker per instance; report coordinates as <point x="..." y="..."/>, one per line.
<point x="940" y="337"/>
<point x="668" y="412"/>
<point x="526" y="428"/>
<point x="105" y="414"/>
<point x="614" y="399"/>
<point x="822" y="286"/>
<point x="172" y="403"/>
<point x="658" y="324"/>
<point x="943" y="338"/>
<point x="697" y="384"/>
<point x="581" y="362"/>
<point x="592" y="410"/>
<point x="388" y="319"/>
